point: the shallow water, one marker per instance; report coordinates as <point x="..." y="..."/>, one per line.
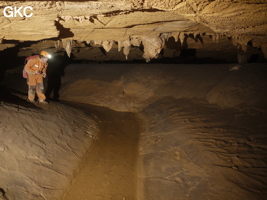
<point x="110" y="169"/>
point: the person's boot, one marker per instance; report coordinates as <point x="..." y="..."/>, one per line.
<point x="31" y="100"/>
<point x="43" y="102"/>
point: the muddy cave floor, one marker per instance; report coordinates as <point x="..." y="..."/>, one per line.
<point x="174" y="148"/>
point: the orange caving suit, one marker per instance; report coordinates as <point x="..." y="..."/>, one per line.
<point x="35" y="81"/>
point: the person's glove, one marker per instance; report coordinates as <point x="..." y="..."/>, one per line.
<point x="44" y="75"/>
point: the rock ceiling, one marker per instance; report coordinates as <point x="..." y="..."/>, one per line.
<point x="127" y="23"/>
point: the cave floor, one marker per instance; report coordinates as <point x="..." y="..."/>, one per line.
<point x="186" y="147"/>
<point x="109" y="170"/>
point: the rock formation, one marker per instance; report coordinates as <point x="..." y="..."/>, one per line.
<point x="128" y="23"/>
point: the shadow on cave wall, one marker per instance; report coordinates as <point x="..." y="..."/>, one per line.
<point x="56" y="70"/>
<point x="9" y="57"/>
<point x="10" y="60"/>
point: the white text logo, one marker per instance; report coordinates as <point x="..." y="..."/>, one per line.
<point x="14" y="12"/>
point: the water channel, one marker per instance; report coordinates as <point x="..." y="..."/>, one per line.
<point x="110" y="170"/>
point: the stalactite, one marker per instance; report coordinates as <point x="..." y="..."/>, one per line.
<point x="126" y="48"/>
<point x="244" y="47"/>
<point x="152" y="46"/>
<point x="67" y="45"/>
<point x="164" y="36"/>
<point x="175" y="35"/>
<point x="136" y="41"/>
<point x="213" y="36"/>
<point x="240" y="41"/>
<point x="217" y="36"/>
<point x="126" y="45"/>
<point x="119" y="45"/>
<point x="182" y="37"/>
<point x="97" y="42"/>
<point x="107" y="45"/>
<point x="57" y="44"/>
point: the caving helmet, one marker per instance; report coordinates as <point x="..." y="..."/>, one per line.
<point x="45" y="54"/>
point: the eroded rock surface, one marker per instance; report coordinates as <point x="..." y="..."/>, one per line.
<point x="39" y="157"/>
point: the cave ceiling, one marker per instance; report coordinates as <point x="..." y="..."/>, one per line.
<point x="127" y="23"/>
